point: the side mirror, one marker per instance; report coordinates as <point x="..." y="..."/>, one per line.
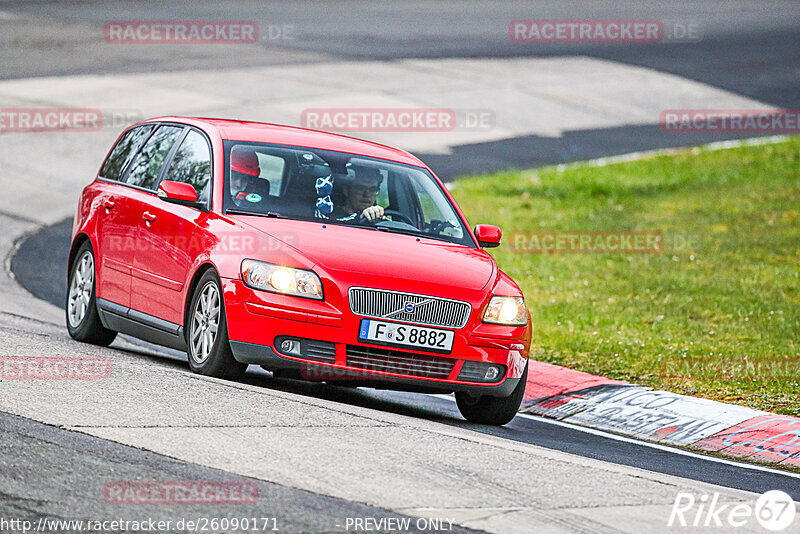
<point x="179" y="193"/>
<point x="488" y="235"/>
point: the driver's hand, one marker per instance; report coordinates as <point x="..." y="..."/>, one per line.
<point x="373" y="213"/>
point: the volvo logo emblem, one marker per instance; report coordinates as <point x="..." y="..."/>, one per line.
<point x="409" y="307"/>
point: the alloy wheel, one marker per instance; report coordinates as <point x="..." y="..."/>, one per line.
<point x="80" y="290"/>
<point x="205" y="323"/>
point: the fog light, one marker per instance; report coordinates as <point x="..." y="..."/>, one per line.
<point x="290" y="346"/>
<point x="491" y="373"/>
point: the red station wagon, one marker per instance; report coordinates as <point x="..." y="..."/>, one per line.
<point x="314" y="255"/>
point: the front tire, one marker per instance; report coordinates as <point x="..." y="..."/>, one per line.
<point x="83" y="321"/>
<point x="492" y="410"/>
<point x="207" y="332"/>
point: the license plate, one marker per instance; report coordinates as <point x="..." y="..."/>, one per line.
<point x="404" y="335"/>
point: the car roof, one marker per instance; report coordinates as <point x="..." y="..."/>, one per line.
<point x="260" y="132"/>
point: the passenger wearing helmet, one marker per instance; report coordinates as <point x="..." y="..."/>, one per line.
<point x="246" y="186"/>
<point x="358" y="195"/>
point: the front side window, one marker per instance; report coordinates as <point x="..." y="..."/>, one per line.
<point x="191" y="164"/>
<point x="339" y="188"/>
<point x="147" y="165"/>
<point x="123" y="151"/>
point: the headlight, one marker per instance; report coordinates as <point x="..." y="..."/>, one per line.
<point x="278" y="279"/>
<point x="506" y="310"/>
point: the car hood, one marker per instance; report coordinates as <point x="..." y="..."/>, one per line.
<point x="341" y="249"/>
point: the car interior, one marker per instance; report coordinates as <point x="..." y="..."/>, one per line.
<point x="288" y="188"/>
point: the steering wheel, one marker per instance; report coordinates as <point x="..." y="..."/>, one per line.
<point x="394" y="213"/>
<point x="398" y="215"/>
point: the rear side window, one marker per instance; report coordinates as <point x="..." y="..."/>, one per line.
<point x="192" y="164"/>
<point x="148" y="163"/>
<point x="122" y="153"/>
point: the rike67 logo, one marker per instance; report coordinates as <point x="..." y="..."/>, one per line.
<point x="774" y="510"/>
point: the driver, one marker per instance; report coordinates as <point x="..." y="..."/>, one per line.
<point x="359" y="195"/>
<point x="245" y="172"/>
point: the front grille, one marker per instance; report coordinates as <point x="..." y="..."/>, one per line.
<point x="476" y="372"/>
<point x="430" y="311"/>
<point x="402" y="363"/>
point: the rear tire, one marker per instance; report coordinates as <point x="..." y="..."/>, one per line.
<point x="208" y="346"/>
<point x="492" y="410"/>
<point x="83" y="320"/>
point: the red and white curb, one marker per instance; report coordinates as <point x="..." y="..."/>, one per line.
<point x="660" y="416"/>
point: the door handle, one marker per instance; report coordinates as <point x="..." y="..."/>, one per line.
<point x="109" y="204"/>
<point x="149" y="217"/>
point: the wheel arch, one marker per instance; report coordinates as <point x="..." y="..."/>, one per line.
<point x="77" y="243"/>
<point x="198" y="274"/>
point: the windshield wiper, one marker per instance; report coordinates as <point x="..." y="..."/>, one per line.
<point x="415" y="233"/>
<point x="273" y="214"/>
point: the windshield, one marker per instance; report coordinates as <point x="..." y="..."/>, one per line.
<point x="339" y="188"/>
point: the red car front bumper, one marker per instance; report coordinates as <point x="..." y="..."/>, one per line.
<point x="258" y="321"/>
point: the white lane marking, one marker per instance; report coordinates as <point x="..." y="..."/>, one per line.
<point x="665" y="448"/>
<point x="5" y="15"/>
<point x="659" y="446"/>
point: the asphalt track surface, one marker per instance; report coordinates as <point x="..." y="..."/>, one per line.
<point x="36" y="455"/>
<point x="747" y="48"/>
